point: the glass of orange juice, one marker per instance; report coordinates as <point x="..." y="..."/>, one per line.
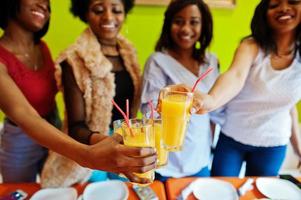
<point x="161" y="151"/>
<point x="140" y="134"/>
<point x="175" y="115"/>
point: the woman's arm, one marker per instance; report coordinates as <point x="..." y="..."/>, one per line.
<point x="295" y="138"/>
<point x="75" y="108"/>
<point x="106" y="155"/>
<point x="229" y="84"/>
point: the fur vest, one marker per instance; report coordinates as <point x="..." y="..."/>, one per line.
<point x="92" y="72"/>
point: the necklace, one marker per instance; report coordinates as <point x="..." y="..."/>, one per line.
<point x="30" y="61"/>
<point x="28" y="55"/>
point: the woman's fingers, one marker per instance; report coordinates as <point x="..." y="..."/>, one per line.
<point x="118" y="138"/>
<point x="137" y="151"/>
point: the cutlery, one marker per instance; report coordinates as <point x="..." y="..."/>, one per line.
<point x="291" y="179"/>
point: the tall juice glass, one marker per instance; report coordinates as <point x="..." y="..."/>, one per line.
<point x="175" y="117"/>
<point x="140" y="135"/>
<point x="161" y="151"/>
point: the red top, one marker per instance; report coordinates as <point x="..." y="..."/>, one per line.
<point x="39" y="86"/>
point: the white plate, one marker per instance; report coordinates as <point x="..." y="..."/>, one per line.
<point x="109" y="190"/>
<point x="213" y="189"/>
<point x="276" y="188"/>
<point x="55" y="194"/>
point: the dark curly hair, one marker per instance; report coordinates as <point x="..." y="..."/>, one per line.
<point x="165" y="41"/>
<point x="79" y="8"/>
<point x="9" y="10"/>
<point x="262" y="32"/>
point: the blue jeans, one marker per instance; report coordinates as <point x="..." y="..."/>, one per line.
<point x="204" y="172"/>
<point x="260" y="161"/>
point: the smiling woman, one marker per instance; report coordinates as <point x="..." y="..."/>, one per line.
<point x="100" y="66"/>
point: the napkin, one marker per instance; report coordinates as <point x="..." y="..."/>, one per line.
<point x="186" y="191"/>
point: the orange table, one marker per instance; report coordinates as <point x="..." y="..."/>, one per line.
<point x="31" y="188"/>
<point x="174" y="187"/>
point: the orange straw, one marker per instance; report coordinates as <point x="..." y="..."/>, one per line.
<point x="126" y="119"/>
<point x="201" y="78"/>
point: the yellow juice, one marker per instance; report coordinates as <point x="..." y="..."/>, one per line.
<point x="118" y="130"/>
<point x="161" y="151"/>
<point x="140" y="137"/>
<point x="175" y="116"/>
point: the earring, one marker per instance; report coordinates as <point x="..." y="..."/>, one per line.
<point x="198" y="45"/>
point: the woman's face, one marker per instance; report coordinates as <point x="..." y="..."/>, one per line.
<point x="33" y="14"/>
<point x="105" y="17"/>
<point x="284" y="15"/>
<point x="186" y="27"/>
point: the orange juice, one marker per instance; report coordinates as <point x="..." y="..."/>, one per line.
<point x="175" y="116"/>
<point x="142" y="136"/>
<point x="161" y="151"/>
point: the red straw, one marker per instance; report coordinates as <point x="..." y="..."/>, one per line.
<point x="151" y="106"/>
<point x="126" y="119"/>
<point x="127" y="109"/>
<point x="201" y="78"/>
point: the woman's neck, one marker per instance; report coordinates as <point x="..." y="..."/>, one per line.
<point x="16" y="37"/>
<point x="285" y="43"/>
<point x="109" y="49"/>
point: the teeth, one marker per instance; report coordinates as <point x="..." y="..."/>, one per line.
<point x="108" y="26"/>
<point x="38" y="14"/>
<point x="285" y="17"/>
<point x="185" y="37"/>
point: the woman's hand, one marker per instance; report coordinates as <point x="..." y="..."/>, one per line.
<point x="109" y="155"/>
<point x="202" y="103"/>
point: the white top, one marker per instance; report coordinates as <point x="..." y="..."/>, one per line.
<point x="162" y="70"/>
<point x="260" y="114"/>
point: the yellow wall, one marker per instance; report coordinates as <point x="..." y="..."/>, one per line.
<point x="143" y="26"/>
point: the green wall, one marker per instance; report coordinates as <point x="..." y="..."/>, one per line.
<point x="143" y="26"/>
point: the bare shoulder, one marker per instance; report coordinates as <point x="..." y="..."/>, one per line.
<point x="249" y="44"/>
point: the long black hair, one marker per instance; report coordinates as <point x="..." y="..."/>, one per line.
<point x="9" y="10"/>
<point x="165" y="41"/>
<point x="262" y="32"/>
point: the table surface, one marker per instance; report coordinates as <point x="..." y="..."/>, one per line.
<point x="173" y="187"/>
<point x="31" y="188"/>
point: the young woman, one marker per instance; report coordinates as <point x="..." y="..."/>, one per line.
<point x="99" y="66"/>
<point x="261" y="89"/>
<point x="27" y="90"/>
<point x="181" y="57"/>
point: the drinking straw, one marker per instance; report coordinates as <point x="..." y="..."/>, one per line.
<point x="201" y="78"/>
<point x="127" y="108"/>
<point x="126" y="119"/>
